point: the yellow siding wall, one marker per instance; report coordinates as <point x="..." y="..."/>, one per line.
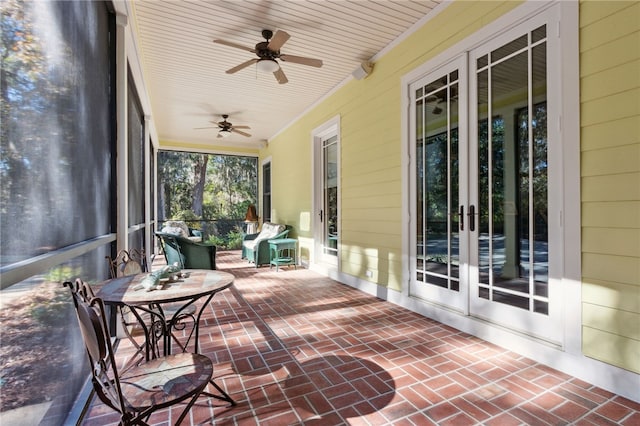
<point x="610" y="169"/>
<point x="371" y="165"/>
<point x="371" y="173"/>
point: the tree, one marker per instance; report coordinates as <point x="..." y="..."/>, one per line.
<point x="20" y="71"/>
<point x="175" y="183"/>
<point x="234" y="181"/>
<point x="207" y="187"/>
<point x="200" y="175"/>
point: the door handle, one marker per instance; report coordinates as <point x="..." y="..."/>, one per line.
<point x="461" y="216"/>
<point x="320" y="215"/>
<point x="472" y="217"/>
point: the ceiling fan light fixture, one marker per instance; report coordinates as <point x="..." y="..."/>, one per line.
<point x="224" y="133"/>
<point x="267" y="65"/>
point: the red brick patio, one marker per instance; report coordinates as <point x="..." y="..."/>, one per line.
<point x="296" y="348"/>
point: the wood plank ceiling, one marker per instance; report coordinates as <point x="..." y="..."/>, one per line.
<point x="185" y="71"/>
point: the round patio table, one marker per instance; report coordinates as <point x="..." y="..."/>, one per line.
<point x="194" y="285"/>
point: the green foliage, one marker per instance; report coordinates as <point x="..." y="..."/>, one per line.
<point x="218" y="241"/>
<point x="234" y="239"/>
<point x="231" y="241"/>
<point x="186" y="215"/>
<point x="53" y="311"/>
<point x="439" y="258"/>
<point x="230" y="185"/>
<point x="62" y="273"/>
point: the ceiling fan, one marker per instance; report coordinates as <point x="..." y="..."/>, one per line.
<point x="268" y="53"/>
<point x="441" y="99"/>
<point x="226" y="128"/>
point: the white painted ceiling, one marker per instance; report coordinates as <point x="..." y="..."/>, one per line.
<point x="185" y="71"/>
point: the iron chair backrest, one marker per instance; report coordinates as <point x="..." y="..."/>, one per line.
<point x="93" y="326"/>
<point x="127" y="263"/>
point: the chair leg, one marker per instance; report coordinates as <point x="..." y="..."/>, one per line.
<point x="223" y="395"/>
<point x="139" y="349"/>
<point x="186" y="410"/>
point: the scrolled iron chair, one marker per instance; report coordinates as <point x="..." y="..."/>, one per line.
<point x="145" y="388"/>
<point x="134" y="262"/>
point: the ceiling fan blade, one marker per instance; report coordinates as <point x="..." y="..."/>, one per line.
<point x="241" y="66"/>
<point x="241" y="127"/>
<point x="235" y="130"/>
<point x="279" y="75"/>
<point x="302" y="60"/>
<point x="278" y="39"/>
<point x="237" y="46"/>
<point x="200" y="128"/>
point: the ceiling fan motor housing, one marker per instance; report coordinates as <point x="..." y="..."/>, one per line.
<point x="225" y="125"/>
<point x="264" y="52"/>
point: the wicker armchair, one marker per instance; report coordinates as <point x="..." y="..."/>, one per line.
<point x="186" y="253"/>
<point x="255" y="247"/>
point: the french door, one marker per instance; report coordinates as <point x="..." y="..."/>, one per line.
<point x="327" y="194"/>
<point x="484" y="168"/>
<point x="440" y="187"/>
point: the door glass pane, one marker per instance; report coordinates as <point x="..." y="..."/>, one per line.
<point x="509" y="160"/>
<point x="330" y="171"/>
<point x="437" y="252"/>
<point x="483" y="179"/>
<point x="482" y="61"/>
<point x="436" y="191"/>
<point x="509" y="48"/>
<point x="540" y="234"/>
<point x="454" y="187"/>
<point x="420" y="152"/>
<point x="538" y="34"/>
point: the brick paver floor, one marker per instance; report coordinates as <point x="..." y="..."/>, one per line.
<point x="296" y="348"/>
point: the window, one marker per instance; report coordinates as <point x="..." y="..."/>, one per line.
<point x="135" y="165"/>
<point x="210" y="192"/>
<point x="57" y="173"/>
<point x="266" y="192"/>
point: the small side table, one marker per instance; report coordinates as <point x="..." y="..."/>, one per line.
<point x="283" y="252"/>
